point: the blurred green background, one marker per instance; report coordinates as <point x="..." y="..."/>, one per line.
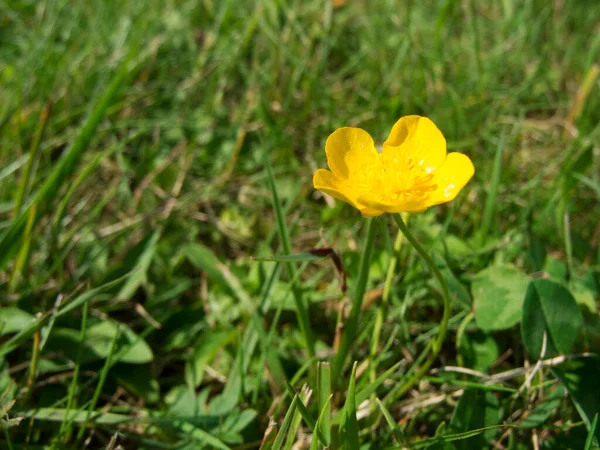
<point x="134" y="139"/>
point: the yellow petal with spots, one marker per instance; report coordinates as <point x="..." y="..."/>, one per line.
<point x="450" y="178"/>
<point x="326" y="181"/>
<point x="418" y="140"/>
<point x="349" y="151"/>
<point x="411" y="173"/>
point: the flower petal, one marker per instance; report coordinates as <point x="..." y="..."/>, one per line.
<point x="349" y="150"/>
<point x="327" y="182"/>
<point x="417" y="138"/>
<point x="369" y="212"/>
<point x="404" y="204"/>
<point x="450" y="178"/>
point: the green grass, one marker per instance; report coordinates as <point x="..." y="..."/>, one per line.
<point x="138" y="214"/>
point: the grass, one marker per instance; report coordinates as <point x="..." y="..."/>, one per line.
<point x="138" y="305"/>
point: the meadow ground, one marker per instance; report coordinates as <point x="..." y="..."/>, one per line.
<point x="136" y="192"/>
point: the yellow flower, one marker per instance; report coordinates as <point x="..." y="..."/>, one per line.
<point x="412" y="172"/>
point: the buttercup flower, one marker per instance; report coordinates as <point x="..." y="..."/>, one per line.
<point x="412" y="172"/>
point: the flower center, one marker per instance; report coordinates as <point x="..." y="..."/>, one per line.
<point x="396" y="179"/>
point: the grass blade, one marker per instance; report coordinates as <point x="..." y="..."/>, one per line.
<point x="103" y="374"/>
<point x="591" y="435"/>
<point x="324" y="400"/>
<point x="304" y="397"/>
<point x="139" y="274"/>
<point x="349" y="427"/>
<point x="34" y="154"/>
<point x="349" y="330"/>
<point x="398" y="434"/>
<point x="23" y="256"/>
<point x="324" y="415"/>
<point x="66" y="424"/>
<point x="372" y="387"/>
<point x="490" y="201"/>
<point x="310" y="422"/>
<point x="298" y="257"/>
<point x="301" y="308"/>
<point x="10" y="241"/>
<point x="285" y="425"/>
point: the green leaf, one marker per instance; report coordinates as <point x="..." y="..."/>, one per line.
<point x="458" y="292"/>
<point x="204" y="352"/>
<point x="26" y="333"/>
<point x="204" y="259"/>
<point x="498" y="294"/>
<point x="182" y="401"/>
<point x="13" y="320"/>
<point x="232" y="392"/>
<point x="556" y="268"/>
<point x="97" y="343"/>
<point x="237" y="421"/>
<point x="98" y="336"/>
<point x="138" y="382"/>
<point x="479" y="350"/>
<point x="550" y="308"/>
<point x="476" y="409"/>
<point x="139" y="273"/>
<point x="582" y="380"/>
<point x="584" y="296"/>
<point x="183" y="327"/>
<point x="200" y="436"/>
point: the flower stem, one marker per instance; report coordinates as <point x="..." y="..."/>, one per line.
<point x="436" y="345"/>
<point x="389" y="277"/>
<point x="349" y="330"/>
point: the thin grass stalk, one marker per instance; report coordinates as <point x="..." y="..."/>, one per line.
<point x="349" y="330"/>
<point x="436" y="345"/>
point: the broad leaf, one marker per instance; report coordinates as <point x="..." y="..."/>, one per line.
<point x="550" y="308"/>
<point x="475" y="409"/>
<point x="13" y="320"/>
<point x="498" y="294"/>
<point x="581" y="377"/>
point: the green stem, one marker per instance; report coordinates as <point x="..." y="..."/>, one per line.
<point x="568" y="243"/>
<point x="35" y="358"/>
<point x="436" y="345"/>
<point x="387" y="287"/>
<point x="349" y="331"/>
<point x="460" y="333"/>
